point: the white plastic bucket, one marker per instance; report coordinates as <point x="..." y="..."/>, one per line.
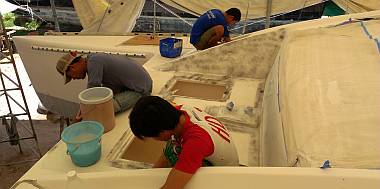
<point x="96" y="104"/>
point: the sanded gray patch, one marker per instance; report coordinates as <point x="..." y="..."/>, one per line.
<point x="250" y="57"/>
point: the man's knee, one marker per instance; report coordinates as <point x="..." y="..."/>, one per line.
<point x="219" y="30"/>
<point x="210" y="37"/>
<point x="125" y="100"/>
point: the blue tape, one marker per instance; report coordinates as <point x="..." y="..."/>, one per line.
<point x="325" y="165"/>
<point x="344" y="23"/>
<point x="365" y="29"/>
<point x="378" y="44"/>
<point x="369" y="35"/>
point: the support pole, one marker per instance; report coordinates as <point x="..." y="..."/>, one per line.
<point x="268" y="13"/>
<point x="56" y="24"/>
<point x="246" y="18"/>
<point x="154" y="18"/>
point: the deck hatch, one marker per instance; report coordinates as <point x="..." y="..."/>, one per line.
<point x="199" y="90"/>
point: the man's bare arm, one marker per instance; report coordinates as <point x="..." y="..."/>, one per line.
<point x="176" y="179"/>
<point x="162" y="162"/>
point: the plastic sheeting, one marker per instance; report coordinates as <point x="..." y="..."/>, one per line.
<point x="108" y="16"/>
<point x="329" y="95"/>
<point x="356" y="6"/>
<point x="89" y="11"/>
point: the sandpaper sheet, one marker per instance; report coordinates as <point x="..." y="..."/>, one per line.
<point x="142" y="40"/>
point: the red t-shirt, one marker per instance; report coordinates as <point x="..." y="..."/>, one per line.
<point x="196" y="145"/>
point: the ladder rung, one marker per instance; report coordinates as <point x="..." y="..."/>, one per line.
<point x="12" y="89"/>
<point x="10" y="115"/>
<point x="4" y="52"/>
<point x="6" y="62"/>
<point x="24" y="138"/>
<point x="2" y="56"/>
<point x="10" y="79"/>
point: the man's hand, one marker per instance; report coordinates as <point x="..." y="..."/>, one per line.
<point x="78" y="117"/>
<point x="176" y="179"/>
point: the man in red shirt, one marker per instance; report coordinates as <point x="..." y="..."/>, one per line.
<point x="194" y="138"/>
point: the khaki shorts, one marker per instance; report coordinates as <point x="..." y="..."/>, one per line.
<point x="205" y="38"/>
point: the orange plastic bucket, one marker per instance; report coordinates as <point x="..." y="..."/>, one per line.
<point x="96" y="104"/>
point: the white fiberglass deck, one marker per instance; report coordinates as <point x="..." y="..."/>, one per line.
<point x="251" y="69"/>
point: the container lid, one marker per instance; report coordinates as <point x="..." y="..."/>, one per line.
<point x="95" y="95"/>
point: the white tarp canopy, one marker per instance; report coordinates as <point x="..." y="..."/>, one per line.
<point x="119" y="16"/>
<point x="357" y="6"/>
<point x="108" y="16"/>
<point x="6" y="7"/>
<point x="256" y="8"/>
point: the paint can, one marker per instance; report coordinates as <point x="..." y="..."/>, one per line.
<point x="96" y="104"/>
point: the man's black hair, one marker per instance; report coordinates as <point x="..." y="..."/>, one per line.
<point x="235" y="12"/>
<point x="152" y="115"/>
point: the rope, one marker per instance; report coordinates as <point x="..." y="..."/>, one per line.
<point x="304" y="4"/>
<point x="261" y="20"/>
<point x="246" y="18"/>
<point x="154" y="18"/>
<point x="173" y="13"/>
<point x="29" y="10"/>
<point x="104" y="15"/>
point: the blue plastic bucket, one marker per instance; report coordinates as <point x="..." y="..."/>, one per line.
<point x="170" y="47"/>
<point x="83" y="142"/>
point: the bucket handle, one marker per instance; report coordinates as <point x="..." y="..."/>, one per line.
<point x="76" y="147"/>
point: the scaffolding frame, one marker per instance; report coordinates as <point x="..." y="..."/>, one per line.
<point x="10" y="120"/>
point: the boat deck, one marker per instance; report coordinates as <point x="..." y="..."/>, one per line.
<point x="216" y="69"/>
<point x="245" y="93"/>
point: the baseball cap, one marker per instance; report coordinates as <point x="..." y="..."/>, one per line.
<point x="63" y="64"/>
